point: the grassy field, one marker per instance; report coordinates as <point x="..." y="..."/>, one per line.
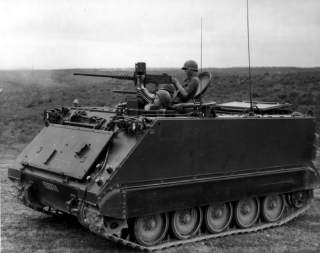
<point x="26" y="94"/>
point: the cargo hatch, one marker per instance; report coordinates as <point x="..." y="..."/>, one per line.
<point x="65" y="150"/>
<point x="245" y="106"/>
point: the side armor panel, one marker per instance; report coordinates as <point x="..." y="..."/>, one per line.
<point x="184" y="148"/>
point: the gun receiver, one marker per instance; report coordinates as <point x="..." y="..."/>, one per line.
<point x="139" y="76"/>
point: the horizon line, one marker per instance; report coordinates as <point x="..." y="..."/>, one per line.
<point x="155" y="68"/>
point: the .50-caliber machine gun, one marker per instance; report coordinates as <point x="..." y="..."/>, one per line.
<point x="140" y="77"/>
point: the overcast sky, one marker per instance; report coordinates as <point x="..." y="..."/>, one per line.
<point x="163" y="33"/>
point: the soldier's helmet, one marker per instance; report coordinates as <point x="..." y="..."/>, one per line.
<point x="164" y="98"/>
<point x="190" y="64"/>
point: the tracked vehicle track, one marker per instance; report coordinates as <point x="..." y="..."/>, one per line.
<point x="289" y="214"/>
<point x="95" y="223"/>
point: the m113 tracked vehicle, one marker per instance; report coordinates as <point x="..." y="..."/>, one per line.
<point x="160" y="178"/>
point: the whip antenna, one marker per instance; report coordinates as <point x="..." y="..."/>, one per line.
<point x="201" y="47"/>
<point x="249" y="67"/>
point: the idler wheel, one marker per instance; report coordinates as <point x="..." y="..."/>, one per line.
<point x="218" y="217"/>
<point x="186" y="223"/>
<point x="246" y="212"/>
<point x="150" y="230"/>
<point x="272" y="207"/>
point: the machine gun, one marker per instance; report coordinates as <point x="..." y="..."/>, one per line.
<point x="140" y="77"/>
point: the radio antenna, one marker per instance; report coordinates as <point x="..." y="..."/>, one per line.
<point x="201" y="47"/>
<point x="249" y="67"/>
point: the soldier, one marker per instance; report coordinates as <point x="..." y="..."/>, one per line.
<point x="188" y="89"/>
<point x="162" y="98"/>
<point x="167" y="94"/>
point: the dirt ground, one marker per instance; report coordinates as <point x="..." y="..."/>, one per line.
<point x="25" y="230"/>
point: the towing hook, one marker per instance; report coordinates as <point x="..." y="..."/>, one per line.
<point x="72" y="204"/>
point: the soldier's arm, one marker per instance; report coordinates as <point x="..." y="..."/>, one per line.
<point x="186" y="92"/>
<point x="179" y="87"/>
<point x="148" y="93"/>
<point x="192" y="88"/>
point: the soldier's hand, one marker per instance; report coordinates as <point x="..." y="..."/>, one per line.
<point x="174" y="81"/>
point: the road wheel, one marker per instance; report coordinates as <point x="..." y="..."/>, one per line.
<point x="150" y="230"/>
<point x="246" y="212"/>
<point x="272" y="207"/>
<point x="186" y="223"/>
<point x="218" y="217"/>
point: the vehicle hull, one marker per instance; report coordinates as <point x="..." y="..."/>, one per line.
<point x="181" y="162"/>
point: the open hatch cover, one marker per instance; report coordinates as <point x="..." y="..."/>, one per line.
<point x="245" y="106"/>
<point x="65" y="150"/>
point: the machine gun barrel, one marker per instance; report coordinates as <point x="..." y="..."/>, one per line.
<point x="157" y="79"/>
<point x="110" y="76"/>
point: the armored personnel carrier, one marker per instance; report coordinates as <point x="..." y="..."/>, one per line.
<point x="165" y="177"/>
